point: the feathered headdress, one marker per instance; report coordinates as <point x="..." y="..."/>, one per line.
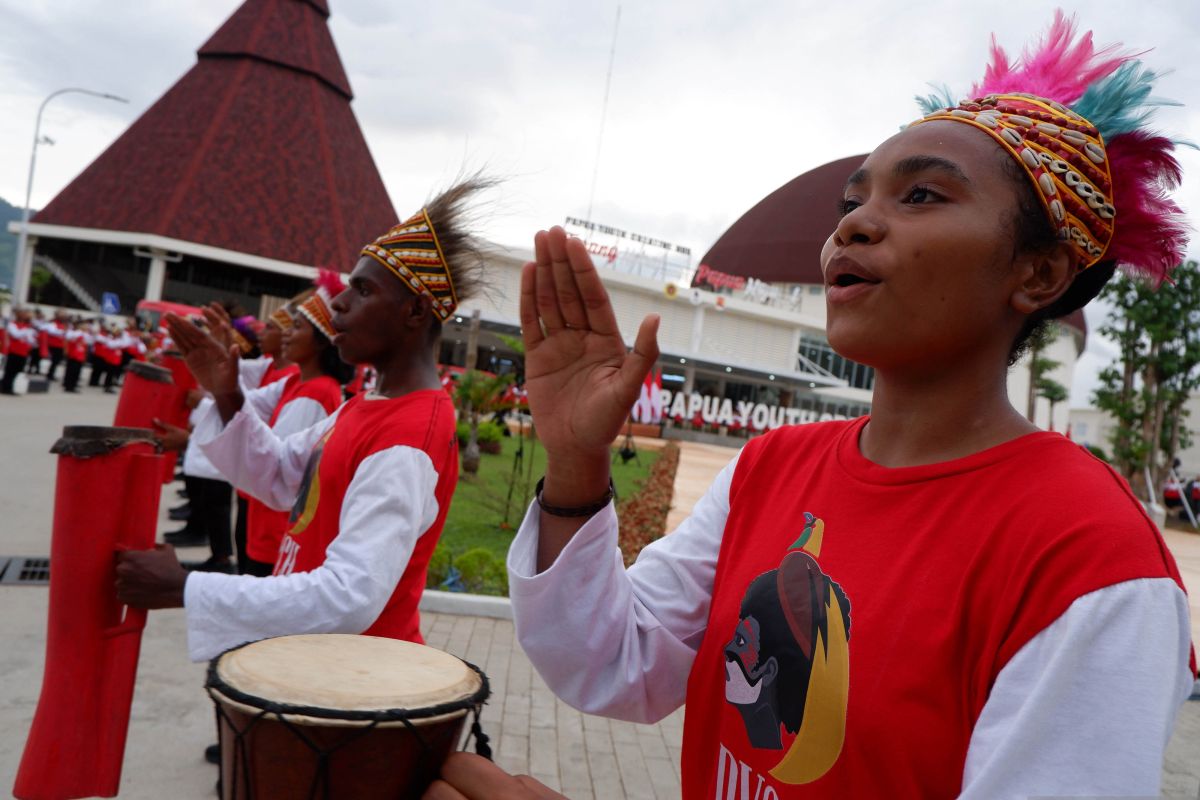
<point x="316" y="309"/>
<point x="1074" y="117"/>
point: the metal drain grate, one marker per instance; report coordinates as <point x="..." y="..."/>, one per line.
<point x="22" y="571"/>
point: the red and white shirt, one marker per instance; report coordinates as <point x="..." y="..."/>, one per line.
<point x="22" y="338"/>
<point x="370" y="487"/>
<point x="294" y="406"/>
<point x="1002" y="625"/>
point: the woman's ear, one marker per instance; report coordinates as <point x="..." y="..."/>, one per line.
<point x="1043" y="278"/>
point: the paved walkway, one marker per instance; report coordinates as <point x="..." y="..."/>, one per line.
<point x="532" y="731"/>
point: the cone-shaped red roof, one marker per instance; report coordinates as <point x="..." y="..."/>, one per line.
<point x="254" y="150"/>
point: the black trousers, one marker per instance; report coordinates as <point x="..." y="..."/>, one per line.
<point x="71" y="374"/>
<point x="13" y="366"/>
<point x="56" y="357"/>
<point x="98" y="366"/>
<point x="212" y="503"/>
<point x="245" y="564"/>
<point x="35" y="362"/>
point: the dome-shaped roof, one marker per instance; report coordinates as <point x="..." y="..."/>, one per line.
<point x="779" y="240"/>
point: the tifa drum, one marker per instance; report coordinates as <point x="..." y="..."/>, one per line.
<point x="339" y="715"/>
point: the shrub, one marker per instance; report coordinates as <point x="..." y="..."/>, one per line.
<point x="482" y="572"/>
<point x="643" y="516"/>
<point x="439" y="567"/>
<point x="490" y="432"/>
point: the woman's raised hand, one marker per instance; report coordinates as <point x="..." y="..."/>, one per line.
<point x="581" y="378"/>
<point x="220" y="325"/>
<point x="214" y="365"/>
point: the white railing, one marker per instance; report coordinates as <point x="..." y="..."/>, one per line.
<point x="64" y="277"/>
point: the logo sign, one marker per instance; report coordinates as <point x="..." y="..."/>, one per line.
<point x="110" y="303"/>
<point x="632" y="252"/>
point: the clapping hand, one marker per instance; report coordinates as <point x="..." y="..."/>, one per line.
<point x="581" y="378"/>
<point x="212" y="362"/>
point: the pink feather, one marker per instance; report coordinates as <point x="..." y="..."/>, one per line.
<point x="330" y="281"/>
<point x="1151" y="235"/>
<point x="1056" y="67"/>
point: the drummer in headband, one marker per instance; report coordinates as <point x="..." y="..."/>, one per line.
<point x="368" y="488"/>
<point x="938" y="600"/>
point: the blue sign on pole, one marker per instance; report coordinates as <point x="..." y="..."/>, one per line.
<point x="110" y="303"/>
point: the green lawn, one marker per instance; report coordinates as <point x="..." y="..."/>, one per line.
<point x="477" y="512"/>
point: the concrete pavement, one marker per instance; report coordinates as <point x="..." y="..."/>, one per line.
<point x="532" y="731"/>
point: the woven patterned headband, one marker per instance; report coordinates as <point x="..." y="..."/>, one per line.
<point x="317" y="309"/>
<point x="282" y="317"/>
<point x="1062" y="153"/>
<point x="412" y="252"/>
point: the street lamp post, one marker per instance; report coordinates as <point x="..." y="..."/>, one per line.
<point x="24" y="266"/>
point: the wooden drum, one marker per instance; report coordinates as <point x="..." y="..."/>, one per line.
<point x="337" y="715"/>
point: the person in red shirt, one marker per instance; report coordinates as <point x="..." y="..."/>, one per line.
<point x="938" y="600"/>
<point x="309" y="393"/>
<point x="368" y="488"/>
<point x="75" y="348"/>
<point x="22" y="340"/>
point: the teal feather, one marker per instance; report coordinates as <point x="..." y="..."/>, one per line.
<point x="1121" y="103"/>
<point x="937" y="100"/>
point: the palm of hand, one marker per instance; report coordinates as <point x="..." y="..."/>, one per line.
<point x="576" y="392"/>
<point x="213" y="367"/>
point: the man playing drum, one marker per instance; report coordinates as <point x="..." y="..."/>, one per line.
<point x="368" y="487"/>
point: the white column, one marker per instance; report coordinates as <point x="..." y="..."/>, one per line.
<point x="158" y="275"/>
<point x="24" y="269"/>
<point x="697" y="329"/>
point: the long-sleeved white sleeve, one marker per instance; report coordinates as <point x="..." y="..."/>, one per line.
<point x="1087" y="706"/>
<point x="298" y="414"/>
<point x="261" y="401"/>
<point x="251" y="370"/>
<point x="613" y="641"/>
<point x="254" y="459"/>
<point x="380" y="522"/>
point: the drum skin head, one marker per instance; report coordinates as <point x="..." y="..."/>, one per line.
<point x="347" y="672"/>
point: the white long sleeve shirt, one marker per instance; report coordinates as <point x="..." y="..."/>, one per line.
<point x="1086" y="707"/>
<point x="380" y="522"/>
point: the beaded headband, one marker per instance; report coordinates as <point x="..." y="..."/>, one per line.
<point x="412" y="252"/>
<point x="1063" y="155"/>
<point x="1075" y="118"/>
<point x="282" y="317"/>
<point x="316" y="309"/>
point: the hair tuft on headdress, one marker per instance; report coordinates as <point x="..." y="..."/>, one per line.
<point x="1056" y="67"/>
<point x="1151" y="234"/>
<point x="330" y="281"/>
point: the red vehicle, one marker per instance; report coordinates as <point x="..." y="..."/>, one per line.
<point x="151" y="312"/>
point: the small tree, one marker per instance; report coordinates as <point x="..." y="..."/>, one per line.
<point x="477" y="393"/>
<point x="39" y="279"/>
<point x="1158" y="334"/>
<point x="1039" y="365"/>
<point x="1054" y="392"/>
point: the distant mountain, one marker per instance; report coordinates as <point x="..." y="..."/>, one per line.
<point x="8" y="243"/>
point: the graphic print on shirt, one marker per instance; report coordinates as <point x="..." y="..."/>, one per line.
<point x="303" y="510"/>
<point x="787" y="663"/>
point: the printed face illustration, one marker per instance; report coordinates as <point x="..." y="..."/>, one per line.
<point x="745" y="673"/>
<point x="788" y="660"/>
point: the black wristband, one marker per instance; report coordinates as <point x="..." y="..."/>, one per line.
<point x="578" y="511"/>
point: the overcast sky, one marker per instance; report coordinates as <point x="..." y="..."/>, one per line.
<point x="713" y="104"/>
